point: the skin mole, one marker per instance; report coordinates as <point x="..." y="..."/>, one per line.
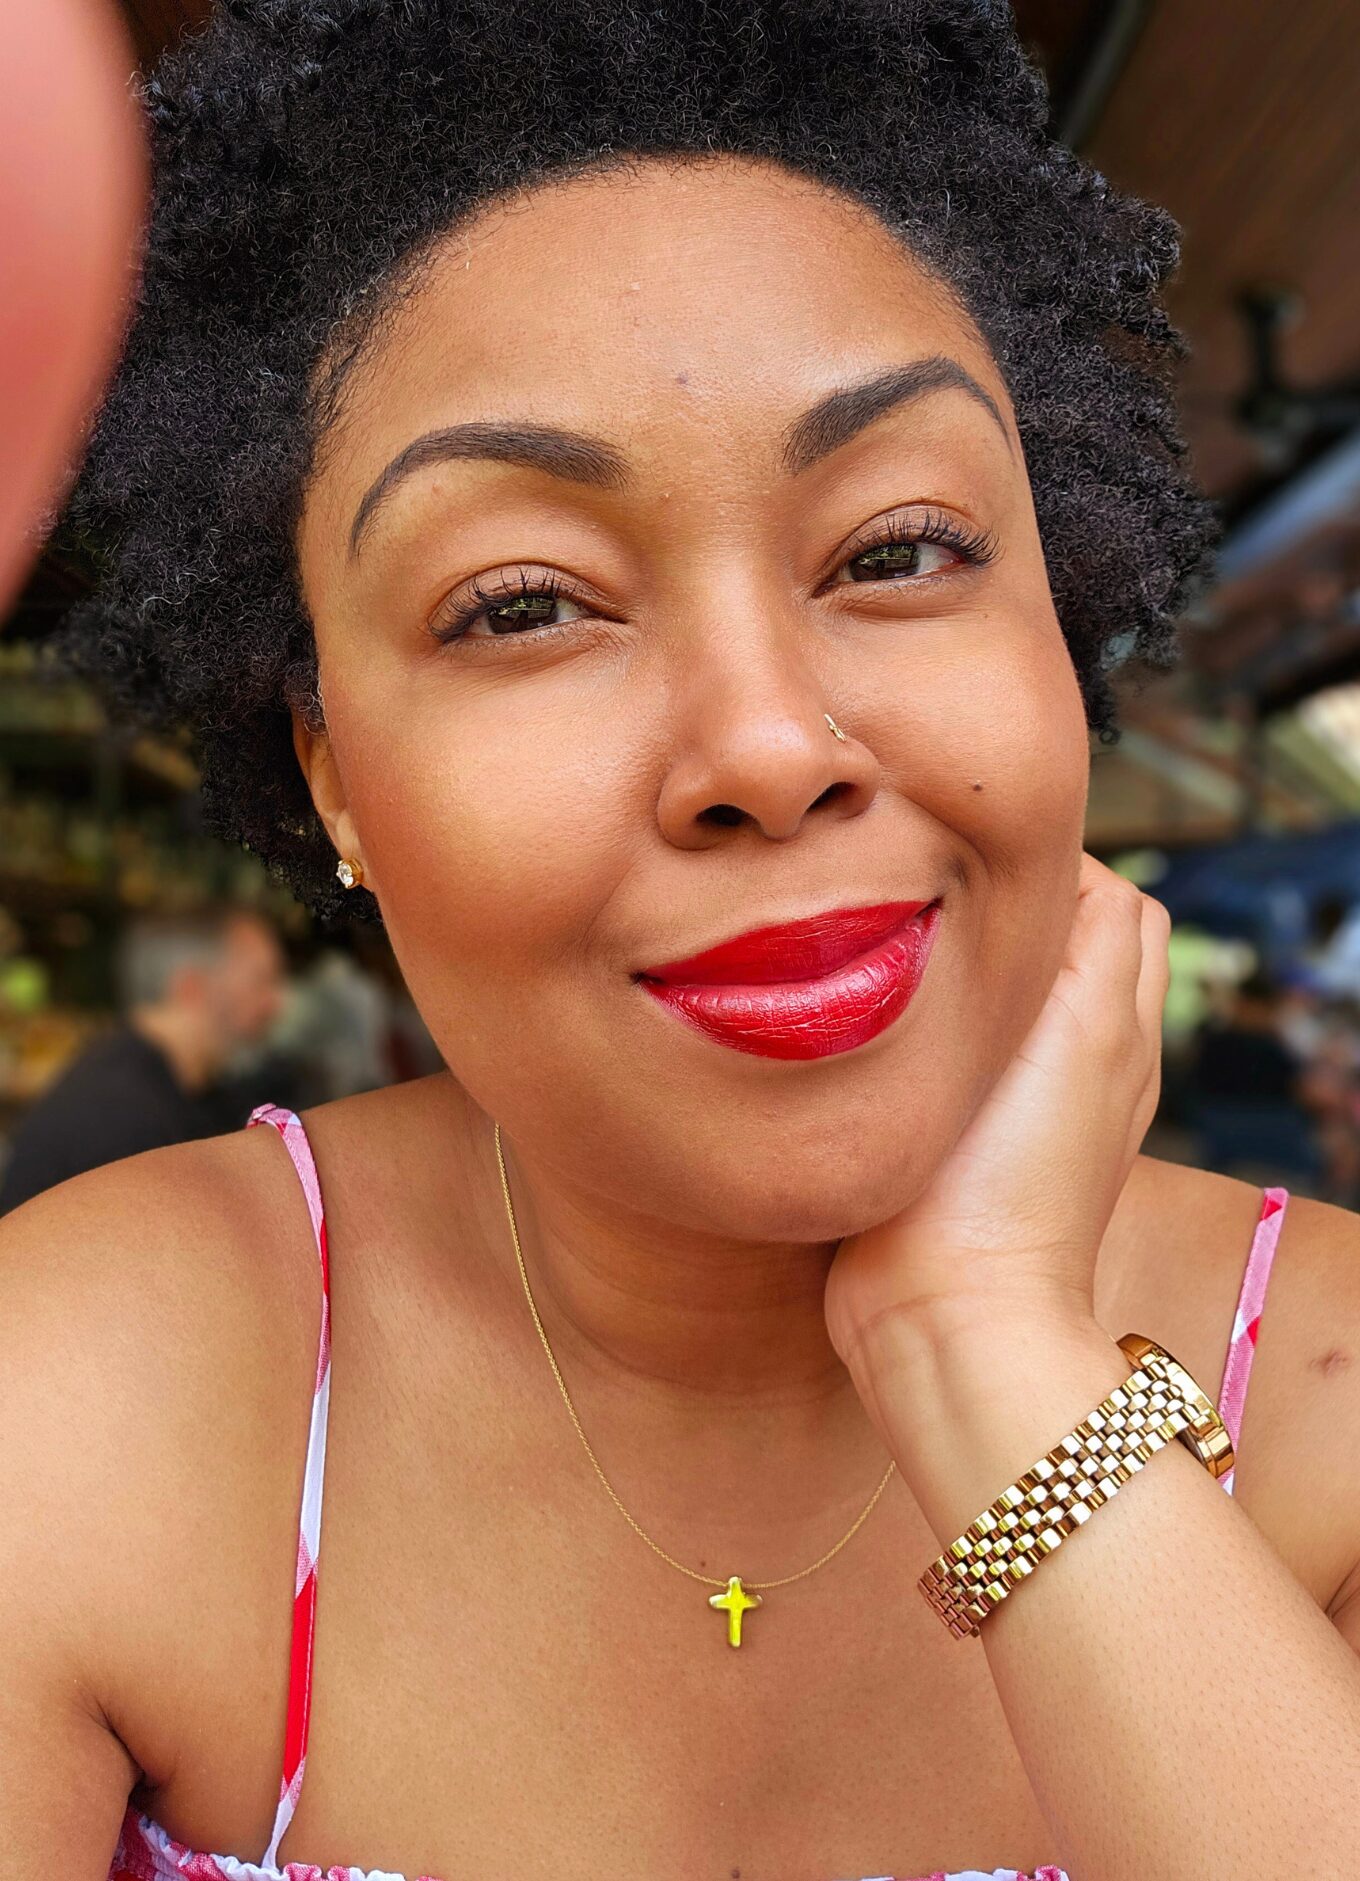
<point x="1332" y="1361"/>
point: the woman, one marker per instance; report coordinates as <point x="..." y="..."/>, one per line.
<point x="652" y="496"/>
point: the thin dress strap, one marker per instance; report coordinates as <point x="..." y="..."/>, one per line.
<point x="1247" y="1319"/>
<point x="289" y="1127"/>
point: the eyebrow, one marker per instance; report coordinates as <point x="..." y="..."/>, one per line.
<point x="567" y="454"/>
<point x="843" y="414"/>
<point x="578" y="458"/>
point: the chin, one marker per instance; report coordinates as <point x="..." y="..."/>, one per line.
<point x="801" y="1155"/>
<point x="810" y="1187"/>
<point x="812" y="1212"/>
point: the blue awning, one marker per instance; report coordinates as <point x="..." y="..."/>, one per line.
<point x="1263" y="888"/>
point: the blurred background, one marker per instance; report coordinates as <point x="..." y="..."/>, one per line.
<point x="132" y="943"/>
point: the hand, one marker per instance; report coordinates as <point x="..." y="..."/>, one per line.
<point x="1012" y="1221"/>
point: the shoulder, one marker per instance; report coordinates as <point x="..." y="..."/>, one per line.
<point x="112" y="1238"/>
<point x="1181" y="1255"/>
<point x="160" y="1319"/>
<point x="1317" y="1362"/>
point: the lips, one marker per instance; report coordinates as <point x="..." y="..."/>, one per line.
<point x="804" y="989"/>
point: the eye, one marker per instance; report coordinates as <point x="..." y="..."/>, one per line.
<point x="531" y="600"/>
<point x="902" y="546"/>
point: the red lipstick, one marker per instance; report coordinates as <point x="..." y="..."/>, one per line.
<point x="804" y="989"/>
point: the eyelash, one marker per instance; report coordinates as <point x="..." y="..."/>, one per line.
<point x="976" y="547"/>
<point x="453" y="625"/>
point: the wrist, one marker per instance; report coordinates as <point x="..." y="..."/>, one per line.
<point x="961" y="1329"/>
<point x="967" y="1400"/>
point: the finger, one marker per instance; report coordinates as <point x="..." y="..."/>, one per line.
<point x="1153" y="981"/>
<point x="1105" y="949"/>
<point x="1155" y="975"/>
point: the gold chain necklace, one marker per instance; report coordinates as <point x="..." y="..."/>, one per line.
<point x="737" y="1596"/>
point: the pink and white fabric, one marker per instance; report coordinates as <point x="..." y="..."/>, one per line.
<point x="1247" y="1320"/>
<point x="289" y="1126"/>
<point x="147" y="1852"/>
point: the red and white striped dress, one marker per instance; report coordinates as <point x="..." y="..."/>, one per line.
<point x="147" y="1852"/>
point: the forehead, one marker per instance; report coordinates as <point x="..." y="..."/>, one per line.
<point x="622" y="302"/>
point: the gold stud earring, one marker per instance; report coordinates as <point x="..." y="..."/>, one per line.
<point x="351" y="872"/>
<point x="834" y="726"/>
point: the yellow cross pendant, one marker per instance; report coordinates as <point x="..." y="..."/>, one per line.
<point x="736" y="1601"/>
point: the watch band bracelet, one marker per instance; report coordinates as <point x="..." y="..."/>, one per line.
<point x="1159" y="1400"/>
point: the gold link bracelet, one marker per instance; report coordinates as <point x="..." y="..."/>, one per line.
<point x="1159" y="1400"/>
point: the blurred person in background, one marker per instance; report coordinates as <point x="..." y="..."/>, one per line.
<point x="196" y="990"/>
<point x="335" y="1023"/>
<point x="1333" y="953"/>
<point x="1244" y="1090"/>
<point x="350" y="1024"/>
<point x="1325" y="1031"/>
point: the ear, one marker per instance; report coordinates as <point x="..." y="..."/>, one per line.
<point x="317" y="759"/>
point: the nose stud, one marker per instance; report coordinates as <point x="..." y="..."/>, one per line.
<point x="834" y="726"/>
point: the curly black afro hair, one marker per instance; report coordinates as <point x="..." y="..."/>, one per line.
<point x="306" y="153"/>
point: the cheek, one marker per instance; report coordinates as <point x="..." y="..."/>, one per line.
<point x="1030" y="756"/>
<point x="1014" y="724"/>
<point x="494" y="839"/>
<point x="984" y="728"/>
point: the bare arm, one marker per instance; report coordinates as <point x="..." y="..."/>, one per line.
<point x="1182" y="1707"/>
<point x="64" y="1774"/>
<point x="133" y="1319"/>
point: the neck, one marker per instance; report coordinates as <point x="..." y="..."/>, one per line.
<point x="179" y="1036"/>
<point x="701" y="1368"/>
<point x="693" y="1316"/>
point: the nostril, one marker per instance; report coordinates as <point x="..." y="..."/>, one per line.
<point x="724" y="815"/>
<point x="831" y="793"/>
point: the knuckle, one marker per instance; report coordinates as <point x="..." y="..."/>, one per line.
<point x="1121" y="892"/>
<point x="1134" y="900"/>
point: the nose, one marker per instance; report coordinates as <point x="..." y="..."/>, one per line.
<point x="754" y="748"/>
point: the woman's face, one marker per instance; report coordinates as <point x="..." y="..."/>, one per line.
<point x="576" y="688"/>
